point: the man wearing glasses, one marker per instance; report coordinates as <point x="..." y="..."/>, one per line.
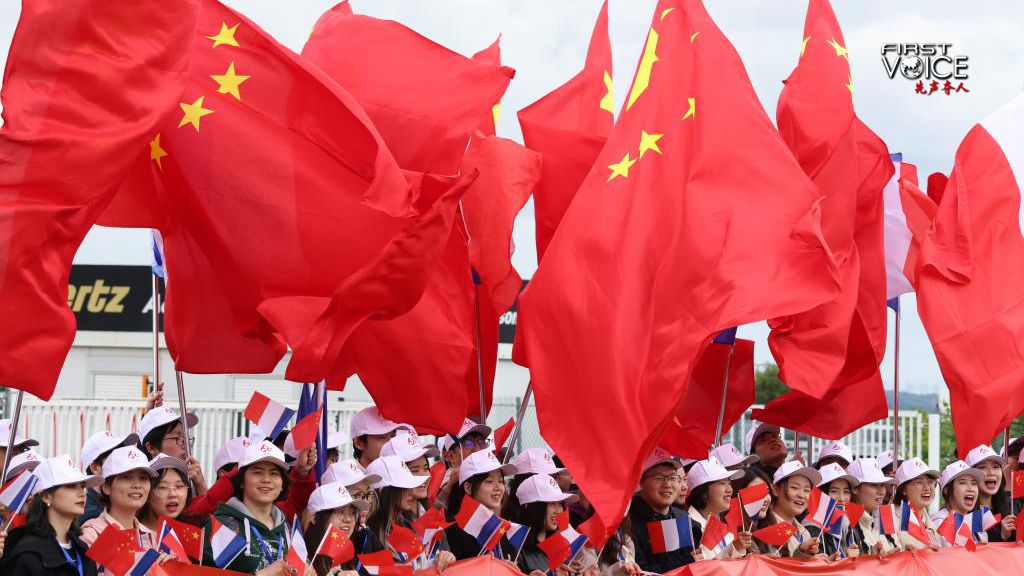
<point x="660" y="483"/>
<point x="472" y="437"/>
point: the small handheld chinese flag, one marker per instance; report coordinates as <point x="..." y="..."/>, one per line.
<point x="436" y="480"/>
<point x="556" y="548"/>
<point x="405" y="542"/>
<point x="336" y="546"/>
<point x="114" y="550"/>
<point x="1018" y="485"/>
<point x="191" y="537"/>
<point x="595" y="531"/>
<point x="776" y="535"/>
<point x="714" y="533"/>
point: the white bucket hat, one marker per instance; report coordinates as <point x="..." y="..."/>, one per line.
<point x="730" y="457"/>
<point x="230" y="452"/>
<point x="537" y="460"/>
<point x="708" y="471"/>
<point x="393" y="472"/>
<point x="913" y="468"/>
<point x="483" y="462"/>
<point x="104" y="441"/>
<point x="27" y="460"/>
<point x="958" y="469"/>
<point x="332" y="496"/>
<point x="61" y="471"/>
<point x="126" y="459"/>
<point x="884" y="459"/>
<point x="834" y="471"/>
<point x="542" y="488"/>
<point x="369" y="422"/>
<point x="867" y="471"/>
<point x="348" y="473"/>
<point x="162" y="461"/>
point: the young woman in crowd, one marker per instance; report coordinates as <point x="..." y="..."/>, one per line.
<point x="94" y="453"/>
<point x="710" y="494"/>
<point x="915" y="485"/>
<point x="870" y="492"/>
<point x="791" y="492"/>
<point x="397" y="505"/>
<point x="169" y="495"/>
<point x="960" y="493"/>
<point x="332" y="505"/>
<point x="50" y="544"/>
<point x="528" y="462"/>
<point x="992" y="491"/>
<point x="618" y="557"/>
<point x="541" y="501"/>
<point x="416" y="456"/>
<point x="160" y="432"/>
<point x="126" y="485"/>
<point x="358" y="483"/>
<point x="259" y="484"/>
<point x="482" y="478"/>
<point x="839" y="486"/>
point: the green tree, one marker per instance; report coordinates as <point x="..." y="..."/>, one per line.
<point x="767" y="385"/>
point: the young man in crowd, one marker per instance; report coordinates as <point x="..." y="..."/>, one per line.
<point x="765" y="441"/>
<point x="660" y="483"/>
<point x="369" y="432"/>
<point x="472" y="437"/>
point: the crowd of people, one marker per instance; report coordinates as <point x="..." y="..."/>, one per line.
<point x="260" y="487"/>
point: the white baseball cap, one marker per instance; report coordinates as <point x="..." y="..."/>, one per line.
<point x="757" y="430"/>
<point x="537" y="460"/>
<point x="230" y="452"/>
<point x="161" y="461"/>
<point x="393" y="472"/>
<point x="336" y="440"/>
<point x="468" y="427"/>
<point x="867" y="471"/>
<point x="834" y="471"/>
<point x="27" y="460"/>
<point x="835" y="449"/>
<point x="104" y="441"/>
<point x="61" y="471"/>
<point x="348" y="473"/>
<point x="661" y="456"/>
<point x="483" y="462"/>
<point x="542" y="488"/>
<point x="262" y="451"/>
<point x="333" y="495"/>
<point x="884" y="459"/>
<point x="708" y="471"/>
<point x="913" y="468"/>
<point x="795" y="468"/>
<point x="958" y="469"/>
<point x="730" y="457"/>
<point x="162" y="415"/>
<point x="126" y="459"/>
<point x="19" y="438"/>
<point x="408" y="448"/>
<point x="368" y="421"/>
<point x="984" y="453"/>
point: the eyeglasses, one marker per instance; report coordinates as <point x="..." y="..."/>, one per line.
<point x="368" y="495"/>
<point x="670" y="479"/>
<point x="470" y="444"/>
<point x="180" y="440"/>
<point x="164" y="491"/>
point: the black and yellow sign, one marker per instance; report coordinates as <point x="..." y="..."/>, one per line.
<point x="112" y="298"/>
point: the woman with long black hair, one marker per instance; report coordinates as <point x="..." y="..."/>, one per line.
<point x="49" y="544"/>
<point x="540" y="503"/>
<point x="482" y="478"/>
<point x="993" y="493"/>
<point x="332" y="505"/>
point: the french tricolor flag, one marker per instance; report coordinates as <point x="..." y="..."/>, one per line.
<point x="575" y="540"/>
<point x="14" y="494"/>
<point x="225" y="543"/>
<point x="820" y="508"/>
<point x="753" y="500"/>
<point x="670" y="535"/>
<point x="896" y="231"/>
<point x="267" y="415"/>
<point x="912" y="525"/>
<point x="887" y="521"/>
<point x="477" y="520"/>
<point x="516" y="535"/>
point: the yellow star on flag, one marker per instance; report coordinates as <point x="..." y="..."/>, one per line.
<point x="665" y="12"/>
<point x="839" y="48"/>
<point x="193" y="113"/>
<point x="229" y="82"/>
<point x="621" y="168"/>
<point x="156" y="152"/>
<point x="225" y="36"/>
<point x="692" y="111"/>
<point x="495" y="112"/>
<point x="849" y="85"/>
<point x="649" y="142"/>
<point x="803" y="48"/>
<point x="608" y="100"/>
<point x="643" y="73"/>
<point x="694" y="36"/>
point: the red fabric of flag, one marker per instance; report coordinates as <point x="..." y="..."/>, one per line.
<point x="556" y="548"/>
<point x="656" y="255"/>
<point x="502" y="433"/>
<point x="734" y="518"/>
<point x="693" y="428"/>
<point x="304" y="433"/>
<point x="405" y="542"/>
<point x="839" y="344"/>
<point x="336" y="546"/>
<point x="431" y="519"/>
<point x="775" y="535"/>
<point x="596" y="532"/>
<point x="425" y="99"/>
<point x="437" y="473"/>
<point x="114" y="549"/>
<point x="191" y="537"/>
<point x="84" y="89"/>
<point x="714" y="532"/>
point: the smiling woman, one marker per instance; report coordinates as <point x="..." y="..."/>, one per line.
<point x="125" y="489"/>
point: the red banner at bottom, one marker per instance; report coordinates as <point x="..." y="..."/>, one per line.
<point x="988" y="559"/>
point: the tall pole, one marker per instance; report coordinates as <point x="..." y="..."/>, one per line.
<point x="184" y="415"/>
<point x="156" y="332"/>
<point x="12" y="433"/>
<point x="517" y="427"/>
<point x="896" y="391"/>
<point x="725" y="394"/>
<point x="479" y="353"/>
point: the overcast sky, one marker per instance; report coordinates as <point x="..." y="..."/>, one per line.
<point x="545" y="41"/>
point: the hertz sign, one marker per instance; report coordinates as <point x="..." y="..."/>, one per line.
<point x="120" y="299"/>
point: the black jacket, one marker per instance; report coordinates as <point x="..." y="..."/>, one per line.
<point x="28" y="554"/>
<point x="639" y="515"/>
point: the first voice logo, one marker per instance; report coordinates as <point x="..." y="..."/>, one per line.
<point x="933" y="66"/>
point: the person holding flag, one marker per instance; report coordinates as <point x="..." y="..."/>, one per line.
<point x="835" y="537"/>
<point x="791" y="492"/>
<point x="660" y="482"/>
<point x="125" y="489"/>
<point x="915" y="490"/>
<point x="618" y="557"/>
<point x="333" y="510"/>
<point x="870" y="493"/>
<point x="358" y="483"/>
<point x="992" y="491"/>
<point x="94" y="452"/>
<point x="541" y="503"/>
<point x="482" y="478"/>
<point x="959" y="484"/>
<point x="50" y="543"/>
<point x="710" y="496"/>
<point x="416" y="456"/>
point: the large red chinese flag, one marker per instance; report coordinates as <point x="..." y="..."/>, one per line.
<point x="85" y="85"/>
<point x="693" y="428"/>
<point x="840" y="343"/>
<point x="665" y="245"/>
<point x="425" y="99"/>
<point x="569" y="126"/>
<point x="274" y="184"/>
<point x="970" y="281"/>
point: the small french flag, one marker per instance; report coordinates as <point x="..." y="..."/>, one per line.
<point x="144" y="563"/>
<point x="516" y="535"/>
<point x="670" y="535"/>
<point x="17" y="490"/>
<point x="887" y="523"/>
<point x="268" y="415"/>
<point x="982" y="520"/>
<point x="226" y="545"/>
<point x="820" y="508"/>
<point x="575" y="540"/>
<point x="753" y="500"/>
<point x="476" y="520"/>
<point x="911" y="524"/>
<point x="171" y="544"/>
<point x="297" y="556"/>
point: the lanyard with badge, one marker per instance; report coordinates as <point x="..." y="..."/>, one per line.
<point x="76" y="562"/>
<point x="263" y="546"/>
